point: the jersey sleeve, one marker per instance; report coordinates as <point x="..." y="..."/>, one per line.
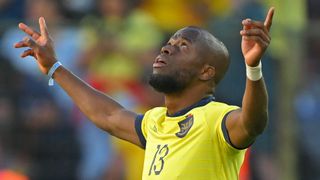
<point x="140" y="124"/>
<point x="222" y="132"/>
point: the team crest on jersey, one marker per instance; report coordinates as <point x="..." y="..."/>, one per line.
<point x="185" y="126"/>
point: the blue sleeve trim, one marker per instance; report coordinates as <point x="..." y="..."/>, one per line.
<point x="137" y="125"/>
<point x="226" y="133"/>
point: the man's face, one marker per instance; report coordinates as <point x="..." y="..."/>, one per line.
<point x="178" y="63"/>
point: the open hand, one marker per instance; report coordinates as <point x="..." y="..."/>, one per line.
<point x="255" y="38"/>
<point x="40" y="45"/>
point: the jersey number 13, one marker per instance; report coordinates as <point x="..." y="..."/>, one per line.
<point x="161" y="153"/>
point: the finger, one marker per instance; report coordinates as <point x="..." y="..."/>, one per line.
<point x="252" y="23"/>
<point x="28" y="52"/>
<point x="256" y="39"/>
<point x="20" y="44"/>
<point x="28" y="42"/>
<point x="245" y="24"/>
<point x="268" y="20"/>
<point x="256" y="32"/>
<point x="43" y="28"/>
<point x="257" y="24"/>
<point x="34" y="34"/>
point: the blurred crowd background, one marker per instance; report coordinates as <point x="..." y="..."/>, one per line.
<point x="111" y="44"/>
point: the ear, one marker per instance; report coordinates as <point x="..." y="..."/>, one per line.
<point x="207" y="73"/>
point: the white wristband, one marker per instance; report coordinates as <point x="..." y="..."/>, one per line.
<point x="254" y="73"/>
<point x="51" y="71"/>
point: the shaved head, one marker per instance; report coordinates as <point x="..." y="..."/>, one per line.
<point x="211" y="50"/>
<point x="191" y="58"/>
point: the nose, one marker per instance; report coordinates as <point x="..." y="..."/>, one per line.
<point x="166" y="50"/>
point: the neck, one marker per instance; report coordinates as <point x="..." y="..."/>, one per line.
<point x="177" y="102"/>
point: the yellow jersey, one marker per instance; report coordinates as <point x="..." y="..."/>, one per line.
<point x="190" y="144"/>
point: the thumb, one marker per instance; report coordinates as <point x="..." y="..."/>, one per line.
<point x="43" y="28"/>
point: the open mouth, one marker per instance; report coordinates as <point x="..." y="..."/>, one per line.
<point x="159" y="62"/>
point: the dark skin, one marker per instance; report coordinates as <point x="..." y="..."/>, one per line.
<point x="188" y="51"/>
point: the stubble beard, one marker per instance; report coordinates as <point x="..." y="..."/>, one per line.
<point x="171" y="84"/>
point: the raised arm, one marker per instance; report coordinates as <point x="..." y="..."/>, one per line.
<point x="246" y="124"/>
<point x="100" y="109"/>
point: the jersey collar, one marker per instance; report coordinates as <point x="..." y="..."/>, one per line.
<point x="202" y="102"/>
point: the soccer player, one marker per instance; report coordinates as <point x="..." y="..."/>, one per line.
<point x="193" y="136"/>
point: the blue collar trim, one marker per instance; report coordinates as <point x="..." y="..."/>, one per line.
<point x="202" y="102"/>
